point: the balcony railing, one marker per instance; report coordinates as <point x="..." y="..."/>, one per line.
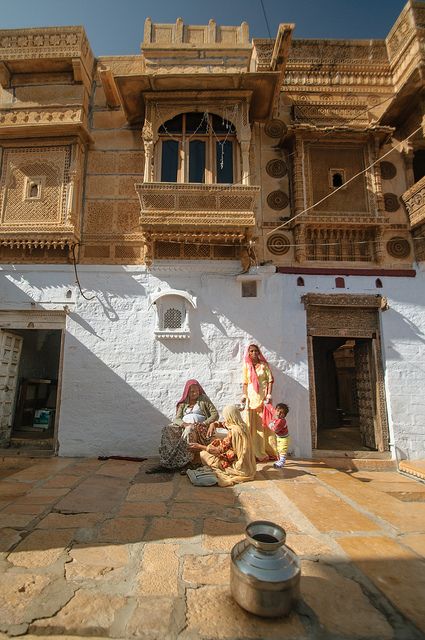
<point x="165" y="204"/>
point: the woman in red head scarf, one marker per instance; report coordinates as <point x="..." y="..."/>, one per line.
<point x="257" y="392"/>
<point x="195" y="415"/>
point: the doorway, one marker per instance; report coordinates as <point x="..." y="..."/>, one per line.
<point x="346" y="372"/>
<point x="30" y="374"/>
<point x="346" y="403"/>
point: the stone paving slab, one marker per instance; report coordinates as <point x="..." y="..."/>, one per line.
<point x="92" y="548"/>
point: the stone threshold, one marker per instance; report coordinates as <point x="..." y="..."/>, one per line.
<point x="356" y="460"/>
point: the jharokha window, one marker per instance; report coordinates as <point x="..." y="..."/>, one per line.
<point x="197" y="147"/>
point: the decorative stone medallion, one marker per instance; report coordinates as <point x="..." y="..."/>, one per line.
<point x="391" y="202"/>
<point x="388" y="170"/>
<point x="277" y="200"/>
<point x="398" y="247"/>
<point x="278" y="244"/>
<point x="275" y="128"/>
<point x="276" y="168"/>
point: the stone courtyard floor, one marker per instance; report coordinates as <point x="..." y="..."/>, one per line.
<point x="99" y="548"/>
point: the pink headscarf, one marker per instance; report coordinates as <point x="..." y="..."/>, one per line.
<point x="187" y="386"/>
<point x="252" y="373"/>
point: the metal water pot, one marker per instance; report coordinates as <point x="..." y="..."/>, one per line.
<point x="265" y="573"/>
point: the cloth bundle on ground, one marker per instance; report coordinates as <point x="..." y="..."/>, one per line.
<point x="202" y="477"/>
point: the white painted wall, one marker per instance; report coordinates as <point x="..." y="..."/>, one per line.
<point x="120" y="384"/>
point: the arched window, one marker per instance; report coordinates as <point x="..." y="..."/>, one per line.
<point x="198" y="148"/>
<point x="172" y="313"/>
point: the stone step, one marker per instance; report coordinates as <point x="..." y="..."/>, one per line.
<point x="356" y="460"/>
<point x="25" y="452"/>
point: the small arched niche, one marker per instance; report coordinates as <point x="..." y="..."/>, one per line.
<point x="173" y="309"/>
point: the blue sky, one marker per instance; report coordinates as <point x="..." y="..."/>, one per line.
<point x="115" y="27"/>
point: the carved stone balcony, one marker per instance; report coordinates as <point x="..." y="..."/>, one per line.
<point x="414" y="199"/>
<point x="204" y="214"/>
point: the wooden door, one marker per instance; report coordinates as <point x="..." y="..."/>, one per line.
<point x="366" y="392"/>
<point x="10" y="353"/>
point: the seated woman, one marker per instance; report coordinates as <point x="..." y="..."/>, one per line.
<point x="194" y="420"/>
<point x="233" y="459"/>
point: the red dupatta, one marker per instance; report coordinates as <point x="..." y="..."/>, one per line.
<point x="187" y="386"/>
<point x="252" y="372"/>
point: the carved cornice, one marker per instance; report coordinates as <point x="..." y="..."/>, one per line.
<point x="44" y="122"/>
<point x="341" y="300"/>
<point x="336" y="220"/>
<point x="414" y="199"/>
<point x="29" y="239"/>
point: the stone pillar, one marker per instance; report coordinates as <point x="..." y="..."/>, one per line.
<point x="245" y="144"/>
<point x="408" y="165"/>
<point x="300" y="239"/>
<point x="379" y="245"/>
<point x="298" y="178"/>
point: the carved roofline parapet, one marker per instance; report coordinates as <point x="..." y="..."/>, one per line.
<point x="22" y="48"/>
<point x="342" y="300"/>
<point x="179" y="36"/>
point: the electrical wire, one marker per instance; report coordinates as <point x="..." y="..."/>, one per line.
<point x="265" y="18"/>
<point x="74" y="260"/>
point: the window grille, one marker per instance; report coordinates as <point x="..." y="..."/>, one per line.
<point x="172" y="319"/>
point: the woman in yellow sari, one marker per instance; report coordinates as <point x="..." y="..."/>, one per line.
<point x="242" y="468"/>
<point x="257" y="391"/>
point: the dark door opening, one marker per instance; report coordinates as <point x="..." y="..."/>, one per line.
<point x="36" y="399"/>
<point x="345" y="385"/>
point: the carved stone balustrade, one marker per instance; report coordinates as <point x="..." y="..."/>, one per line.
<point x="204" y="214"/>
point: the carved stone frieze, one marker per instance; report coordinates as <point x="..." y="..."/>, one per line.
<point x="339" y="52"/>
<point x="333" y="115"/>
<point x="342" y="300"/>
<point x="40" y="116"/>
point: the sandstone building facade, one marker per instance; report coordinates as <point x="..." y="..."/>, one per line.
<point x="160" y="211"/>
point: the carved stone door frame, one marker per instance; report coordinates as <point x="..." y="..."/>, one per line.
<point x="349" y="316"/>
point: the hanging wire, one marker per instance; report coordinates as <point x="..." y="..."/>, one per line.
<point x="74" y="260"/>
<point x="265" y="18"/>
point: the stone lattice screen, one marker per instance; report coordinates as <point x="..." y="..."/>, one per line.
<point x="51" y="164"/>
